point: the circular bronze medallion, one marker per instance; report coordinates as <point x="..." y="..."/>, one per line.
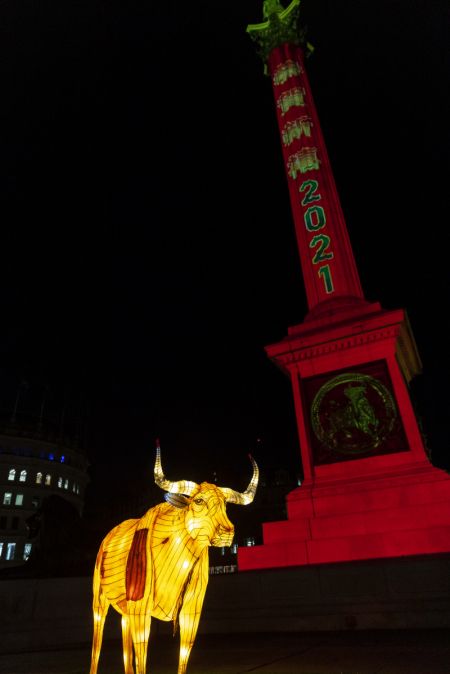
<point x="353" y="413"/>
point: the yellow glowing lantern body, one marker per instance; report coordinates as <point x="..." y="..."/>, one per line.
<point x="157" y="566"/>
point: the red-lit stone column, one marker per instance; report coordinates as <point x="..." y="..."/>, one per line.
<point x="369" y="490"/>
<point x="328" y="265"/>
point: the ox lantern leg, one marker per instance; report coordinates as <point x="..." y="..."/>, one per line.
<point x="100" y="609"/>
<point x="127" y="645"/>
<point x="188" y="630"/>
<point x="191" y="611"/>
<point x="140" y="633"/>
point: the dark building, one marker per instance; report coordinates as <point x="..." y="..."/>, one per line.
<point x="35" y="464"/>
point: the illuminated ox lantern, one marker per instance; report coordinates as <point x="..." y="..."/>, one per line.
<point x="158" y="565"/>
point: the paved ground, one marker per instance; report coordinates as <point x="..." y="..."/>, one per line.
<point x="377" y="652"/>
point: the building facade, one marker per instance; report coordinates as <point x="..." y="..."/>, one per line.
<point x="34" y="465"/>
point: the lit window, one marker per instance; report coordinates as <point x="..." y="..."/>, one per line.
<point x="19" y="500"/>
<point x="12" y="474"/>
<point x="7" y="498"/>
<point x="27" y="550"/>
<point x="60" y="482"/>
<point x="1" y="549"/>
<point x="38" y="478"/>
<point x="249" y="542"/>
<point x="23" y="476"/>
<point x="78" y="489"/>
<point x="51" y="457"/>
<point x="10" y="551"/>
<point x="74" y="487"/>
<point x="234" y="549"/>
<point x="62" y="459"/>
<point x="66" y="484"/>
<point x="222" y="551"/>
<point x="48" y="479"/>
<point x="35" y="502"/>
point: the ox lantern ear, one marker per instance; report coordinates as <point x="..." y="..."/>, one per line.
<point x="177" y="500"/>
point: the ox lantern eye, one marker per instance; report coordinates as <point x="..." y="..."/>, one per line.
<point x="199" y="501"/>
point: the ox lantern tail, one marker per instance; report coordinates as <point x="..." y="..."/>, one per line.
<point x="157" y="566"/>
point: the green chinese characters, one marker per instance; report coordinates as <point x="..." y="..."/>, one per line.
<point x="286" y="70"/>
<point x="291" y="98"/>
<point x="302" y="161"/>
<point x="296" y="129"/>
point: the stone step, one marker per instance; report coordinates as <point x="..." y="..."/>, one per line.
<point x="381" y="494"/>
<point x="388" y="544"/>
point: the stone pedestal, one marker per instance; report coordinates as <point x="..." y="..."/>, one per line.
<point x="369" y="490"/>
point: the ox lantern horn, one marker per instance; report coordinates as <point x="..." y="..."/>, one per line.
<point x="157" y="566"/>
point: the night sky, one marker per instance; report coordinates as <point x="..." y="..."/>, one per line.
<point x="148" y="247"/>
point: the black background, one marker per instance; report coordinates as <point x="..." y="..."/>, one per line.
<point x="148" y="248"/>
